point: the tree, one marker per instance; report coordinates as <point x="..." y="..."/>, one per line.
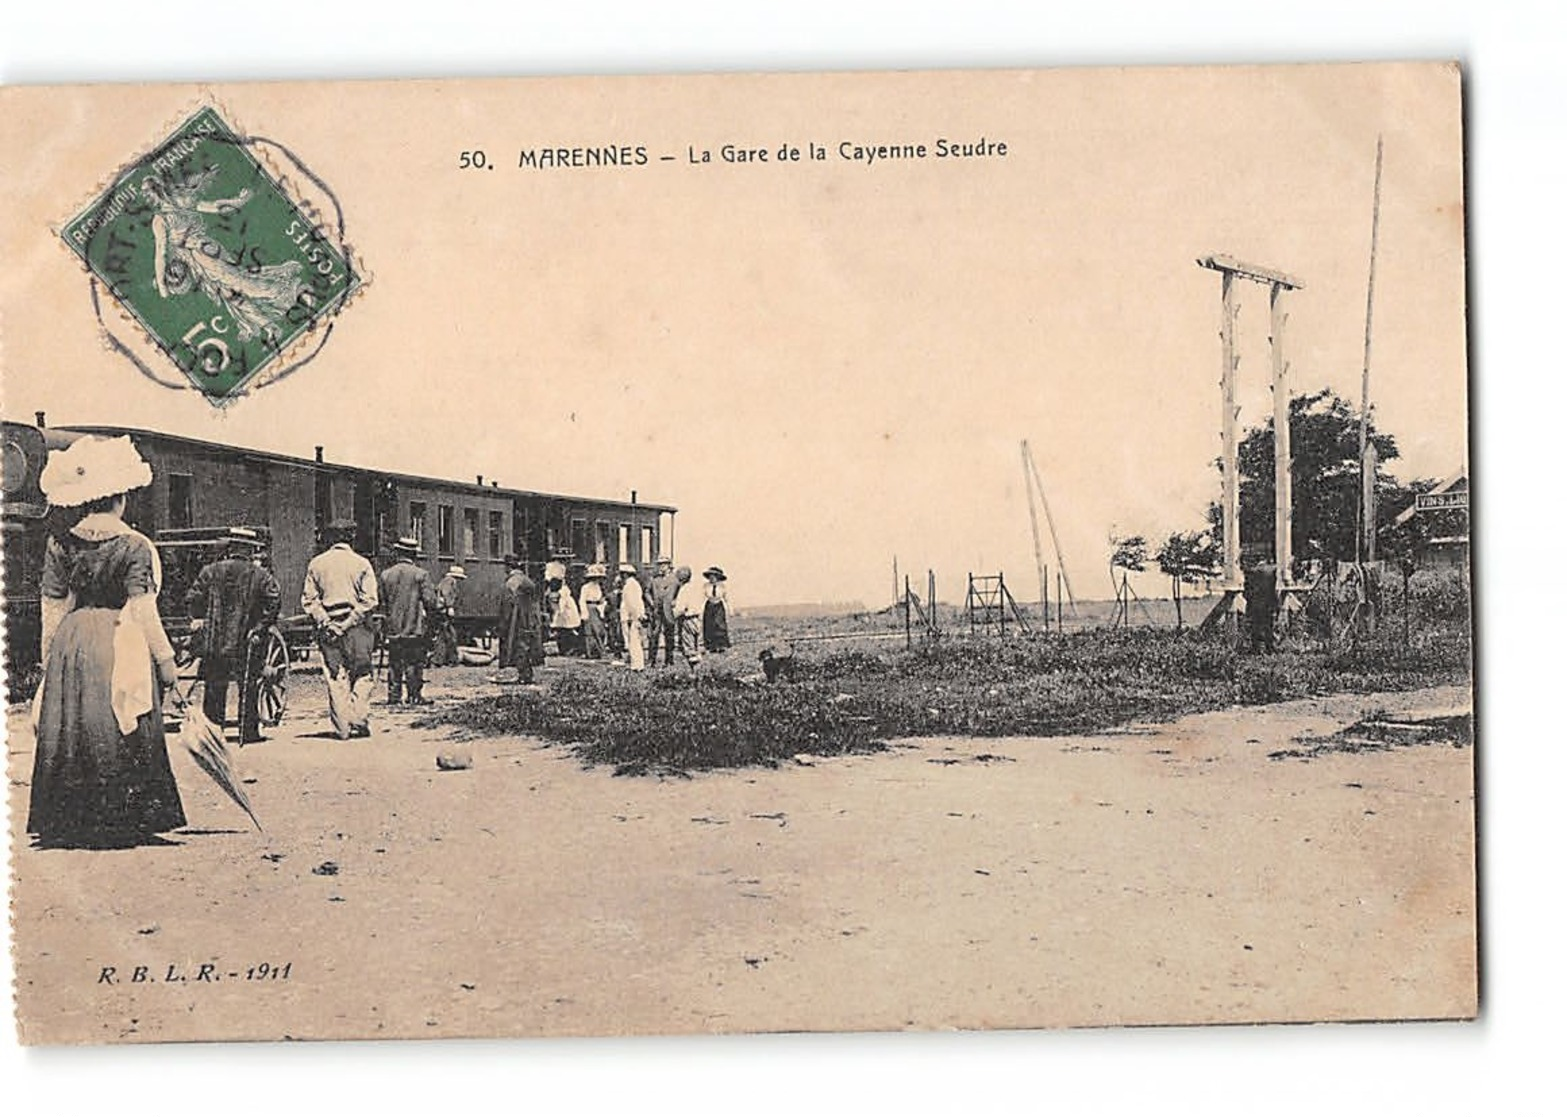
<point x="1188" y="557"/>
<point x="1324" y="475"/>
<point x="1130" y="553"/>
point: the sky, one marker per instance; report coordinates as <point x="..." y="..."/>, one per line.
<point x="825" y="364"/>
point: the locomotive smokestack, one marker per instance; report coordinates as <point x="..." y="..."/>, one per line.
<point x="320" y="450"/>
<point x="633" y="496"/>
<point x="38" y="416"/>
<point x="479" y="479"/>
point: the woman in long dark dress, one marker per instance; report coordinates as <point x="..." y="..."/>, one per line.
<point x="101" y="775"/>
<point x="715" y="611"/>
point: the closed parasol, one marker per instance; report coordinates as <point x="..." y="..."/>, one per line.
<point x="204" y="741"/>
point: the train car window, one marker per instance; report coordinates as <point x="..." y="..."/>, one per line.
<point x="180" y="512"/>
<point x="497" y="536"/>
<point x="600" y="542"/>
<point x="446" y="527"/>
<point x="323" y="500"/>
<point x="416" y="512"/>
<point x="470" y="532"/>
<point x="623" y="551"/>
<point x="579" y="537"/>
<point x="647" y="545"/>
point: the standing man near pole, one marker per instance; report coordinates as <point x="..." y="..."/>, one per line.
<point x="410" y="604"/>
<point x="339" y="595"/>
<point x="231" y="602"/>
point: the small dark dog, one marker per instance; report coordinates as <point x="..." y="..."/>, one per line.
<point x="777" y="667"/>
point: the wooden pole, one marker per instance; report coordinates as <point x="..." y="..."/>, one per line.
<point x="1033" y="523"/>
<point x="1364" y="540"/>
<point x="1368" y="499"/>
<point x="930" y="600"/>
<point x="1283" y="506"/>
<point x="1055" y="538"/>
<point x="1059" y="615"/>
<point x="1230" y="496"/>
<point x="1044" y="593"/>
<point x="908" y="609"/>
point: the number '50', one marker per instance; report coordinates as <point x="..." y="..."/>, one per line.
<point x="472" y="159"/>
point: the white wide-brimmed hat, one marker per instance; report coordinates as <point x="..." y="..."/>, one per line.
<point x="92" y="468"/>
<point x="595" y="570"/>
<point x="627" y="568"/>
<point x="457" y="571"/>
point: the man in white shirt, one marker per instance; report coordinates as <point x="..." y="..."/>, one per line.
<point x="632" y="613"/>
<point x="340" y="594"/>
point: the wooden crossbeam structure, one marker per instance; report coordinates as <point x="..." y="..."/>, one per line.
<point x="989" y="603"/>
<point x="1278" y="283"/>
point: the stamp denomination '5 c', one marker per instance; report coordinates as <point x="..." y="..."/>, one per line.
<point x="206" y="249"/>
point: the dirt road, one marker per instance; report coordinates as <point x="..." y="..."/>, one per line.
<point x="1159" y="874"/>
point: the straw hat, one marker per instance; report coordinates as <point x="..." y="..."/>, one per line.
<point x="406" y="546"/>
<point x="595" y="570"/>
<point x="457" y="571"/>
<point x="716" y="573"/>
<point x="92" y="468"/>
<point x="627" y="568"/>
<point x="242" y="541"/>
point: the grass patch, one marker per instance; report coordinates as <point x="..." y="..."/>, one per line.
<point x="669" y="722"/>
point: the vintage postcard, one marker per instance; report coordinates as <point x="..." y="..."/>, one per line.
<point x="713" y="554"/>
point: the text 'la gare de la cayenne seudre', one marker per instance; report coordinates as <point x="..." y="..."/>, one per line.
<point x="867" y="154"/>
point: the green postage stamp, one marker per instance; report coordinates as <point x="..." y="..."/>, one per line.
<point x="227" y="266"/>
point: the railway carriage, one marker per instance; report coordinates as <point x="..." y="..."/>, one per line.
<point x="201" y="489"/>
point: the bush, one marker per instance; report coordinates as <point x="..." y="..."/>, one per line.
<point x="855" y="701"/>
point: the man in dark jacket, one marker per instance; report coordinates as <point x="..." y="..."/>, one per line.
<point x="521" y="624"/>
<point x="661" y="612"/>
<point x="409" y="601"/>
<point x="1262" y="605"/>
<point x="234" y="599"/>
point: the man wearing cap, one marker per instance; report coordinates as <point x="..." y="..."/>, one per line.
<point x="632" y="613"/>
<point x="339" y="595"/>
<point x="446" y="593"/>
<point x="410" y="604"/>
<point x="661" y="612"/>
<point x="231" y="603"/>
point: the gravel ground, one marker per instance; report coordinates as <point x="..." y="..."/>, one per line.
<point x="1153" y="874"/>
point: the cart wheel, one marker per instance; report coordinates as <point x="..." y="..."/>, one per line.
<point x="272" y="695"/>
<point x="184" y="650"/>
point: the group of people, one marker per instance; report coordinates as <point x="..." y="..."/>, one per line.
<point x="611" y="617"/>
<point x="101" y="773"/>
